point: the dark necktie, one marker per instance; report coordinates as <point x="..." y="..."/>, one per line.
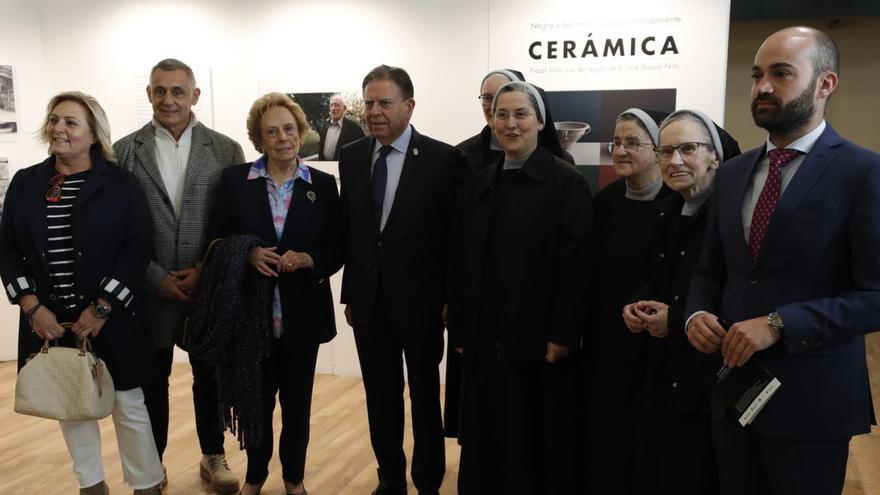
<point x="380" y="178"/>
<point x="779" y="157"/>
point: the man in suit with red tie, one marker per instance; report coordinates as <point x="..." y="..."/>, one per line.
<point x="791" y="261"/>
<point x="397" y="190"/>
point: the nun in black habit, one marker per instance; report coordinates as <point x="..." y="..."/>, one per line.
<point x="673" y="449"/>
<point x="626" y="233"/>
<point x="520" y="268"/>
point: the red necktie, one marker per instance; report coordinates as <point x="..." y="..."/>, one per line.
<point x="779" y="157"/>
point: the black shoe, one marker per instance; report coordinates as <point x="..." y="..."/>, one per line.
<point x="387" y="489"/>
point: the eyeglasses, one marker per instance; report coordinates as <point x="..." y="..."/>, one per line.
<point x="486" y="99"/>
<point x="53" y="195"/>
<point x="517" y="115"/>
<point x="685" y="149"/>
<point x="629" y="146"/>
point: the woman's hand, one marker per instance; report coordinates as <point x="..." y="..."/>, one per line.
<point x="88" y="324"/>
<point x="292" y="261"/>
<point x="45" y="325"/>
<point x="653" y="315"/>
<point x="263" y="259"/>
<point x="631" y="319"/>
<point x="555" y="352"/>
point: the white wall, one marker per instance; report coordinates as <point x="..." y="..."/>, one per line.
<point x="102" y="46"/>
<point x="243" y="49"/>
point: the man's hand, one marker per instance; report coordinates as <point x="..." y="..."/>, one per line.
<point x="705" y="333"/>
<point x="348" y="318"/>
<point x="745" y="338"/>
<point x="263" y="259"/>
<point x="169" y="289"/>
<point x="187" y="280"/>
<point x="555" y="352"/>
<point x="654" y="315"/>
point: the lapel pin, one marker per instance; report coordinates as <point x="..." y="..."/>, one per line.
<point x="311" y="195"/>
<point x="416" y="151"/>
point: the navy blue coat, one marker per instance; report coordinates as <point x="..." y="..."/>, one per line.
<point x="819" y="268"/>
<point x="313" y="226"/>
<point x="113" y="240"/>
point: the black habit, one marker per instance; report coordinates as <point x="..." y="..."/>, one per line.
<point x="672" y="402"/>
<point x="519" y="269"/>
<point x="627" y="231"/>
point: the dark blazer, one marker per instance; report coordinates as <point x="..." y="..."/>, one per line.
<point x="409" y="257"/>
<point x="818" y="268"/>
<point x="349" y="133"/>
<point x="113" y="242"/>
<point x="545" y="264"/>
<point x="312" y="226"/>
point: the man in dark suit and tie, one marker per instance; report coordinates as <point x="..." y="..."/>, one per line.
<point x="790" y="259"/>
<point x="397" y="191"/>
<point x="337" y="131"/>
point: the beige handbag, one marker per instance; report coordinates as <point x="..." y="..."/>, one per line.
<point x="65" y="384"/>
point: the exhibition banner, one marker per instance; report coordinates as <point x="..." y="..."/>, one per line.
<point x="596" y="59"/>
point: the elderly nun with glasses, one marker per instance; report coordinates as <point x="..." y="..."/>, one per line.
<point x="520" y="265"/>
<point x="626" y="231"/>
<point x="673" y="452"/>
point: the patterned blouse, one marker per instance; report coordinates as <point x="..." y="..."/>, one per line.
<point x="279" y="201"/>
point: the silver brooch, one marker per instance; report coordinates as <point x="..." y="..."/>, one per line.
<point x="416" y="151"/>
<point x="311" y="195"/>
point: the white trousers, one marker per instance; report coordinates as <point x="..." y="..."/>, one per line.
<point x="141" y="467"/>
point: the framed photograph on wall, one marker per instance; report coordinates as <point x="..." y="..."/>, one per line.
<point x="8" y="117"/>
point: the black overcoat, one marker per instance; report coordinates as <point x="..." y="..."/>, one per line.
<point x="112" y="235"/>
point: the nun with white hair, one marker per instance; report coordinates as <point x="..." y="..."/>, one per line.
<point x="626" y="231"/>
<point x="519" y="272"/>
<point x="673" y="442"/>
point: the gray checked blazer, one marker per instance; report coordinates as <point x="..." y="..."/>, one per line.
<point x="179" y="243"/>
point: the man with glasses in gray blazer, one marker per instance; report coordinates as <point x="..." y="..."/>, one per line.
<point x="178" y="162"/>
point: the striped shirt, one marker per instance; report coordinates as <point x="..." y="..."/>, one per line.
<point x="59" y="227"/>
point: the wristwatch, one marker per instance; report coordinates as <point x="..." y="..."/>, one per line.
<point x="775" y="321"/>
<point x="101" y="310"/>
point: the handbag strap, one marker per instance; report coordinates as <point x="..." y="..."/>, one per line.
<point x="85" y="344"/>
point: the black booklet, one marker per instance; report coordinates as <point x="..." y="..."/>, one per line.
<point x="745" y="389"/>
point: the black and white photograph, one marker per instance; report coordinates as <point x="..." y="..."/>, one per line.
<point x="8" y="122"/>
<point x="322" y="110"/>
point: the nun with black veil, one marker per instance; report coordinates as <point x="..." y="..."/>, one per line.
<point x="626" y="232"/>
<point x="483" y="149"/>
<point x="673" y="447"/>
<point x="520" y="265"/>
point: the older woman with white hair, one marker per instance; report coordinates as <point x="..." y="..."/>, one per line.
<point x="672" y="405"/>
<point x="75" y="241"/>
<point x="521" y="253"/>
